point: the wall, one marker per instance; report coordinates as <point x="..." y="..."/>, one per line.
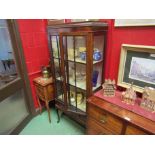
<point x="35" y="46"/>
<point x="127" y="35"/>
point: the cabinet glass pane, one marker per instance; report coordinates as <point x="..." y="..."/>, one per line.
<point x="97" y="76"/>
<point x="55" y="46"/>
<point x="77" y="98"/>
<point x="81" y="100"/>
<point x="77" y="75"/>
<point x="57" y="68"/>
<point x="98" y="59"/>
<point x="98" y="48"/>
<point x="8" y="70"/>
<point x="59" y="91"/>
<point x="76" y="48"/>
<point x="12" y="112"/>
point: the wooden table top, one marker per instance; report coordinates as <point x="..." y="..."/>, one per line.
<point x="43" y="81"/>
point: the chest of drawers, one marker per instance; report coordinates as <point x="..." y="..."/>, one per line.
<point x="106" y="118"/>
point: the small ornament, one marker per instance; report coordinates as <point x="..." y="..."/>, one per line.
<point x="109" y="88"/>
<point x="129" y="96"/>
<point x="148" y="99"/>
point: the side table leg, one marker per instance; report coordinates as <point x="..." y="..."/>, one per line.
<point x="40" y="107"/>
<point x="48" y="109"/>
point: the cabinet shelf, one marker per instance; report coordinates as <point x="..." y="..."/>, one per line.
<point x="78" y="60"/>
<point x="81" y="106"/>
<point x="80" y="84"/>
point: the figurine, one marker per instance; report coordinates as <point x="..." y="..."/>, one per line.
<point x="148" y="99"/>
<point x="129" y="96"/>
<point x="109" y="88"/>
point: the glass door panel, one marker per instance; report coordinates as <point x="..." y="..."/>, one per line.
<point x="56" y="57"/>
<point x="15" y="100"/>
<point x="8" y="112"/>
<point x="77" y="98"/>
<point x="8" y="71"/>
<point x="59" y="91"/>
<point x="75" y="70"/>
<point x="76" y="49"/>
<point x="98" y="60"/>
<point x="81" y="100"/>
<point x="55" y="46"/>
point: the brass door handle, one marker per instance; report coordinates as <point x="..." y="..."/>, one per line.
<point x="103" y="119"/>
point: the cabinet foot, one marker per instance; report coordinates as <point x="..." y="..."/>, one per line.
<point x="59" y="114"/>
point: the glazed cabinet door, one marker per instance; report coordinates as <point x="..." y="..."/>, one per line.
<point x="74" y="50"/>
<point x="56" y="60"/>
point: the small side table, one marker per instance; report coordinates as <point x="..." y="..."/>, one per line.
<point x="45" y="92"/>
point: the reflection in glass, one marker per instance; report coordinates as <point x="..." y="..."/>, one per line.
<point x="98" y="48"/>
<point x="55" y="46"/>
<point x="97" y="61"/>
<point x="12" y="112"/>
<point x="75" y="70"/>
<point x="57" y="68"/>
<point x="76" y="48"/>
<point x="77" y="98"/>
<point x="59" y="91"/>
<point x="7" y="63"/>
<point x="77" y="77"/>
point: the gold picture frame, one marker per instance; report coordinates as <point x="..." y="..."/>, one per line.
<point x="134" y="67"/>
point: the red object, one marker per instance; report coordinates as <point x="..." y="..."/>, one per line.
<point x="35" y="46"/>
<point x="125" y="35"/>
<point x="134" y="108"/>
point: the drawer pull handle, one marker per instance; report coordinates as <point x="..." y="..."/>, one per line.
<point x="103" y="119"/>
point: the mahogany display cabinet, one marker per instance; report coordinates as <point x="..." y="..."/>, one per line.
<point x="77" y="53"/>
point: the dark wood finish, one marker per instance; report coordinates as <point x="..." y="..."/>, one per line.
<point x="55" y="21"/>
<point x="131" y="130"/>
<point x="87" y="30"/>
<point x="115" y="119"/>
<point x="88" y="25"/>
<point x="45" y="92"/>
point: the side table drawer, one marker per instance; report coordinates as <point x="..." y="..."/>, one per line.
<point x="131" y="130"/>
<point x="40" y="92"/>
<point x="107" y="120"/>
<point x="94" y="128"/>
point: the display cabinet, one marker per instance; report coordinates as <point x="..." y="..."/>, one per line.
<point x="77" y="60"/>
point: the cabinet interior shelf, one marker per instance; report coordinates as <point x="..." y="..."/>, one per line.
<point x="79" y="84"/>
<point x="78" y="60"/>
<point x="80" y="106"/>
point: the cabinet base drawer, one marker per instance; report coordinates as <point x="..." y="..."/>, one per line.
<point x="131" y="130"/>
<point x="106" y="120"/>
<point x="94" y="128"/>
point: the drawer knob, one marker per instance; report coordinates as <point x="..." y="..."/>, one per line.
<point x="103" y="119"/>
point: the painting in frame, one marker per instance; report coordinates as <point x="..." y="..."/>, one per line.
<point x="137" y="65"/>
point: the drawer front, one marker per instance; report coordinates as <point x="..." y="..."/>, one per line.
<point x="131" y="130"/>
<point x="49" y="92"/>
<point x="40" y="92"/>
<point x="107" y="120"/>
<point x="94" y="128"/>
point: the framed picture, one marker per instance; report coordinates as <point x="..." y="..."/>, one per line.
<point x="134" y="22"/>
<point x="137" y="65"/>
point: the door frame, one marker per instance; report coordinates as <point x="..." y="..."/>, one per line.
<point x="22" y="70"/>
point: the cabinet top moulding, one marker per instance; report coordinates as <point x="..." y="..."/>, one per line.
<point x="80" y="24"/>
